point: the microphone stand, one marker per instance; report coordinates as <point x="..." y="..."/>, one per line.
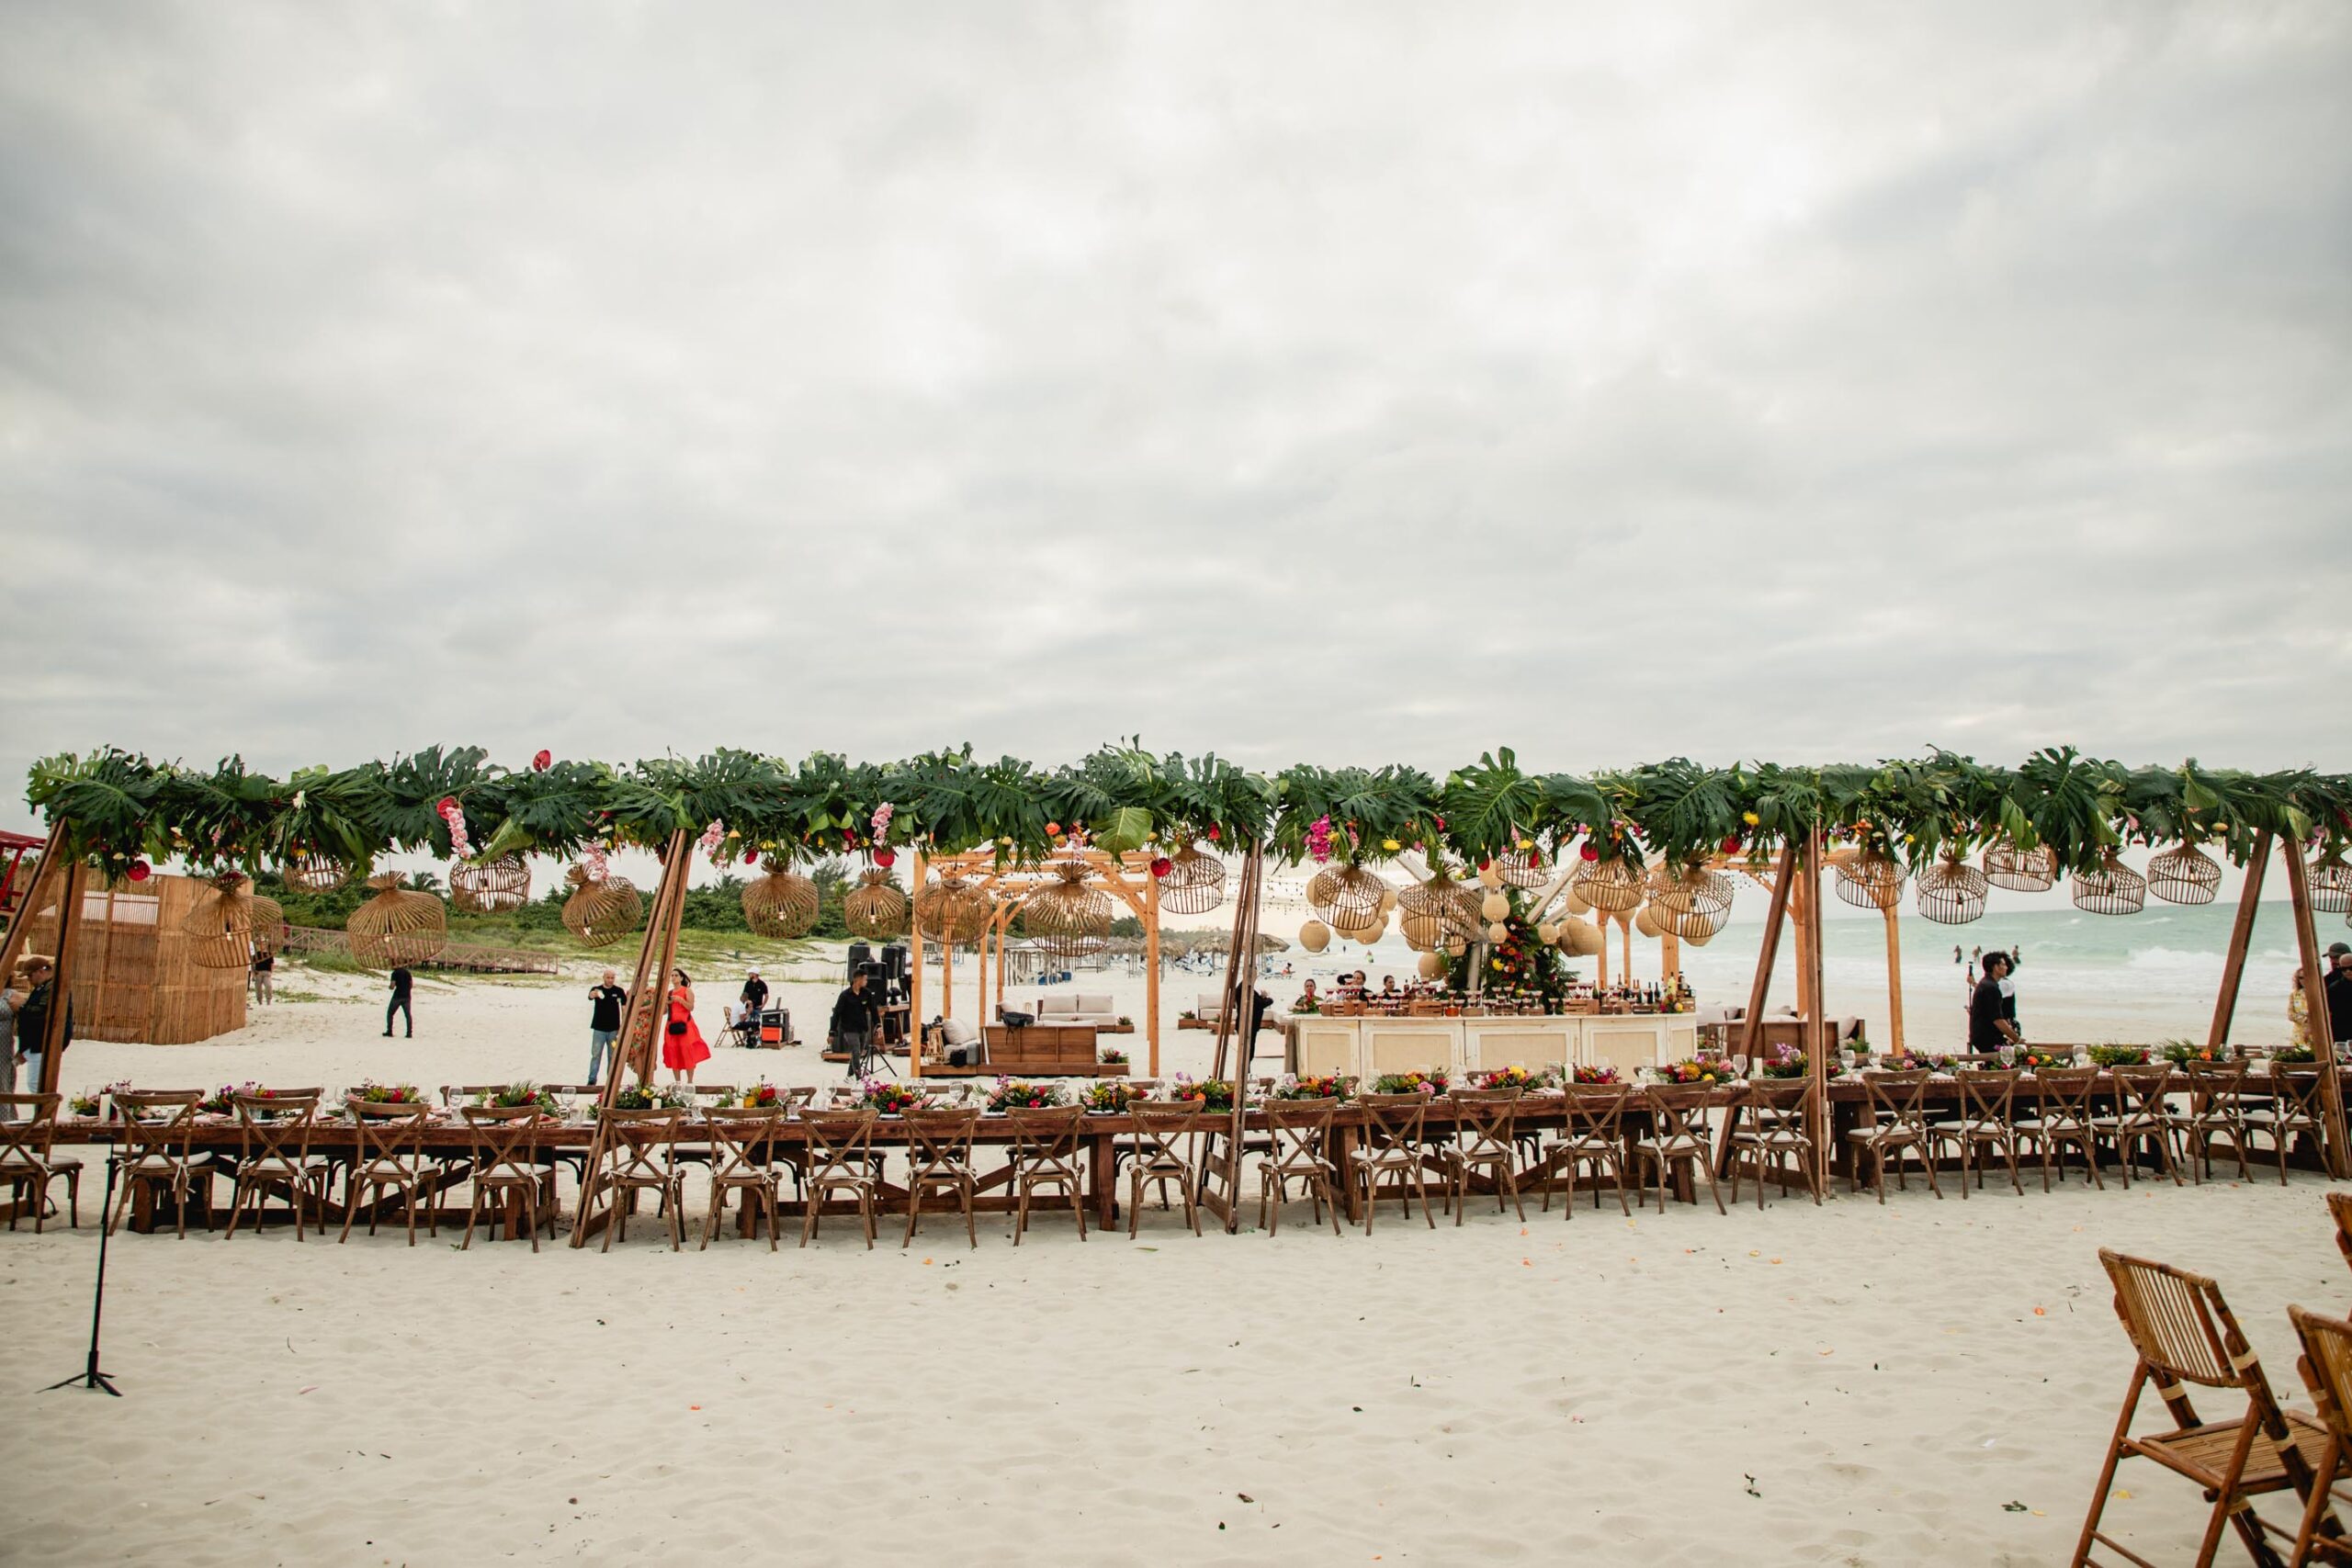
<point x="90" y="1377"/>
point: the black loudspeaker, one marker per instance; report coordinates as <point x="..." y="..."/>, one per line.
<point x="859" y="955"/>
<point x="894" y="961"/>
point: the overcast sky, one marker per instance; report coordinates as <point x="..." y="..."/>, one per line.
<point x="1344" y="382"/>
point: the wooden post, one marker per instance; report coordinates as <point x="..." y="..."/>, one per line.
<point x="649" y="997"/>
<point x="1669" y="954"/>
<point x="1240" y="1017"/>
<point x="914" y="972"/>
<point x="1152" y="969"/>
<point x="45" y="878"/>
<point x="1768" y="953"/>
<point x="2299" y="887"/>
<point x="51" y="1043"/>
<point x="2225" y="1005"/>
<point x="1893" y="979"/>
<point x="1800" y="917"/>
<point x="1818" y="1019"/>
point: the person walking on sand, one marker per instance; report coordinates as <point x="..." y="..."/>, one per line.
<point x="682" y="1047"/>
<point x="265" y="967"/>
<point x="11" y="998"/>
<point x="403" y="986"/>
<point x="605" y="1004"/>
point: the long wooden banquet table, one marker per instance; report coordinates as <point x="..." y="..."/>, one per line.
<point x="447" y="1139"/>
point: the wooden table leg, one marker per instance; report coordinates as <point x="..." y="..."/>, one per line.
<point x="1100" y="1176"/>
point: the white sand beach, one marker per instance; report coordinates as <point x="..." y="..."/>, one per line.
<point x="1924" y="1381"/>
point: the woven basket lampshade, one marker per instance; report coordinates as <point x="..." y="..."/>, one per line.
<point x="1951" y="891"/>
<point x="314" y="873"/>
<point x="1348" y="897"/>
<point x="1524" y="868"/>
<point x="2184" y="874"/>
<point x="1581" y="939"/>
<point x="2331" y="884"/>
<point x="1443" y="902"/>
<point x="1872" y="881"/>
<point x="875" y="909"/>
<point x="601" y="913"/>
<point x="1067" y="918"/>
<point x="397" y="926"/>
<point x="1195" y="884"/>
<point x="1611" y="887"/>
<point x="491" y="889"/>
<point x="781" y="903"/>
<point x="2114" y="889"/>
<point x="1692" y="890"/>
<point x="952" y="909"/>
<point x="1423" y="932"/>
<point x="2021" y="871"/>
<point x="227" y="922"/>
<point x="1698" y="925"/>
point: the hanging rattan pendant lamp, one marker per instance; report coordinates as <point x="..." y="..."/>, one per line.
<point x="1692" y="890"/>
<point x="1613" y="886"/>
<point x="1195" y="884"/>
<point x="952" y="909"/>
<point x="227" y="922"/>
<point x="314" y="873"/>
<point x="1348" y="897"/>
<point x="2021" y="871"/>
<point x="2184" y="874"/>
<point x="601" y="912"/>
<point x="1871" y="881"/>
<point x="781" y="903"/>
<point x="1439" y="911"/>
<point x="398" y="926"/>
<point x="491" y="888"/>
<point x="1067" y="918"/>
<point x="1951" y="891"/>
<point x="875" y="909"/>
<point x="2113" y="889"/>
<point x="1526" y="868"/>
<point x="2331" y="884"/>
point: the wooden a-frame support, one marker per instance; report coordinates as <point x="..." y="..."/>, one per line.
<point x="1236" y="1019"/>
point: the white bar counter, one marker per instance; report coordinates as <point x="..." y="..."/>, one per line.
<point x="1366" y="1047"/>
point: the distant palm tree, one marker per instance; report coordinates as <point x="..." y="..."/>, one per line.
<point x="423" y="882"/>
<point x="830" y="877"/>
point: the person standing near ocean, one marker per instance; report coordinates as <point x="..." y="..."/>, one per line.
<point x="605" y="1004"/>
<point x="2337" y="983"/>
<point x="403" y="986"/>
<point x="1991" y="1021"/>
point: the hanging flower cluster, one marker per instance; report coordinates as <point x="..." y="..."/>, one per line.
<point x="881" y="823"/>
<point x="460" y="847"/>
<point x="591" y="859"/>
<point x="709" y="842"/>
<point x="1318" y="840"/>
<point x="543" y="762"/>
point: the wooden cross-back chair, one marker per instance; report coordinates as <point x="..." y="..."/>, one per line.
<point x="1165" y="1131"/>
<point x="1773" y="1132"/>
<point x="639" y="1149"/>
<point x="1391" y="1151"/>
<point x="28" y="1161"/>
<point x="2143" y="1115"/>
<point x="506" y="1168"/>
<point x="841" y="1145"/>
<point x="1300" y="1134"/>
<point x="2063" y="1116"/>
<point x="1985" y="1125"/>
<point x="742" y="1159"/>
<point x="1482" y="1142"/>
<point x="939" y="1158"/>
<point x="2339" y="1207"/>
<point x="2183" y="1334"/>
<point x="1045" y="1155"/>
<point x="388" y="1161"/>
<point x="2326" y="1367"/>
<point x="1682" y="1130"/>
<point x="2215" y="1109"/>
<point x="2294" y="1110"/>
<point x="274" y="1154"/>
<point x="157" y="1128"/>
<point x="1592" y="1134"/>
<point x="1897" y="1126"/>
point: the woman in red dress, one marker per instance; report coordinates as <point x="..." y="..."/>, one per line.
<point x="682" y="1046"/>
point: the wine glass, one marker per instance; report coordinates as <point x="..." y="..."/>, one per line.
<point x="1738" y="1066"/>
<point x="2006" y="1055"/>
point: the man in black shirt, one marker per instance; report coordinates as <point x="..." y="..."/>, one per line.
<point x="755" y="993"/>
<point x="2338" y="983"/>
<point x="605" y="1002"/>
<point x="32" y="1021"/>
<point x="403" y="983"/>
<point x="1989" y="1025"/>
<point x="854" y="1020"/>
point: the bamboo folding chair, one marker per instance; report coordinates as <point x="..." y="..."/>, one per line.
<point x="1045" y="1154"/>
<point x="1301" y="1134"/>
<point x="2294" y="1108"/>
<point x="1683" y="1127"/>
<point x="2340" y="1205"/>
<point x="2143" y="1115"/>
<point x="28" y="1161"/>
<point x="1775" y="1134"/>
<point x="2215" y="1109"/>
<point x="840" y="1146"/>
<point x="388" y="1159"/>
<point x="639" y="1146"/>
<point x="1482" y="1140"/>
<point x="506" y="1168"/>
<point x="742" y="1150"/>
<point x="152" y="1122"/>
<point x="2063" y="1117"/>
<point x="2326" y="1366"/>
<point x="2183" y="1334"/>
<point x="939" y="1157"/>
<point x="1898" y="1126"/>
<point x="1592" y="1134"/>
<point x="1392" y="1150"/>
<point x="1986" y="1121"/>
<point x="1162" y="1153"/>
<point x="273" y="1152"/>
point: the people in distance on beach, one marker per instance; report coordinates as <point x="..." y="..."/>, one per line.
<point x="1955" y="952"/>
<point x="264" y="971"/>
<point x="605" y="1002"/>
<point x="853" y="1017"/>
<point x="40" y="974"/>
<point x="403" y="988"/>
<point x="12" y="998"/>
<point x="2338" y="985"/>
<point x="1990" y="1023"/>
<point x="682" y="1047"/>
<point x="755" y="994"/>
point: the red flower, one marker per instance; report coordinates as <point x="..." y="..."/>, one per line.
<point x="750" y="856"/>
<point x="1215" y="835"/>
<point x="1589" y="853"/>
<point x="140" y="870"/>
<point x="449" y="804"/>
<point x="1731" y="845"/>
<point x="1161" y="865"/>
<point x="1053" y="829"/>
<point x="885" y="858"/>
<point x="543" y="762"/>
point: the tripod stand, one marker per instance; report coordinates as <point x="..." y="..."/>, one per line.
<point x="90" y="1377"/>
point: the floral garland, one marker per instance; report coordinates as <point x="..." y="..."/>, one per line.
<point x="454" y="815"/>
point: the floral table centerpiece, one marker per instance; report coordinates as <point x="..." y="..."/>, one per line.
<point x="1109" y="1097"/>
<point x="1111" y="1056"/>
<point x="1314" y="1085"/>
<point x="1431" y="1082"/>
<point x="761" y="1096"/>
<point x="645" y="1097"/>
<point x="370" y="1093"/>
<point x="1011" y="1094"/>
<point x="2290" y="1054"/>
<point x="2043" y="1058"/>
<point x="891" y="1097"/>
<point x="2180" y="1053"/>
<point x="516" y="1096"/>
<point x="1595" y="1073"/>
<point x="1695" y="1072"/>
<point x="1208" y="1094"/>
<point x="2119" y="1056"/>
<point x="1512" y="1077"/>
